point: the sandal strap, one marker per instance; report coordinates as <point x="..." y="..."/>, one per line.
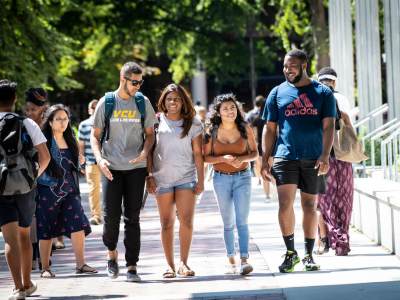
<point x="169" y="273"/>
<point x="49" y="272"/>
<point x="86" y="269"/>
<point x="185" y="271"/>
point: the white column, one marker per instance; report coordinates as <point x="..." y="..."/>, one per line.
<point x="392" y="55"/>
<point x="199" y="85"/>
<point x="369" y="75"/>
<point x="341" y="46"/>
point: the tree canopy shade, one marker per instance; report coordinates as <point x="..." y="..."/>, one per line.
<point x="75" y="44"/>
<point x="32" y="50"/>
<point x="303" y="24"/>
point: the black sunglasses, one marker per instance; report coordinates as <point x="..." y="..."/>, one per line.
<point x="135" y="82"/>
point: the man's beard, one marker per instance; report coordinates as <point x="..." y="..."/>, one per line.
<point x="126" y="90"/>
<point x="297" y="78"/>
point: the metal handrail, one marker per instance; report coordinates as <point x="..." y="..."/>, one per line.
<point x="372" y="114"/>
<point x="391" y="136"/>
<point x="389" y="158"/>
<point x="369" y="135"/>
<point x="378" y="135"/>
<point x="380" y="128"/>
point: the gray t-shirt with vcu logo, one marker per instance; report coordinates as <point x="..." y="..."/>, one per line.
<point x="126" y="134"/>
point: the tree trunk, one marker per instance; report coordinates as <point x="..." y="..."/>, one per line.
<point x="320" y="33"/>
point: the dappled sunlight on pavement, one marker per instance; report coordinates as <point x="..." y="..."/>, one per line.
<point x="367" y="271"/>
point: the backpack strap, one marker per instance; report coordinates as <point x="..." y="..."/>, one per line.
<point x="141" y="105"/>
<point x="338" y="113"/>
<point x="214" y="132"/>
<point x="21" y="118"/>
<point x="108" y="110"/>
<point x="244" y="124"/>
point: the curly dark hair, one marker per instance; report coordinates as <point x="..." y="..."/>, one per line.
<point x="69" y="136"/>
<point x="216" y="120"/>
<point x="37" y="96"/>
<point x="187" y="111"/>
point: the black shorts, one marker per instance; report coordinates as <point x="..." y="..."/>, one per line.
<point x="19" y="208"/>
<point x="300" y="172"/>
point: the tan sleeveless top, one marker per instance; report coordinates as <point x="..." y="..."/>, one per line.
<point x="237" y="148"/>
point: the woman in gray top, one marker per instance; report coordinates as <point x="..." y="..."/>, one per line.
<point x="176" y="172"/>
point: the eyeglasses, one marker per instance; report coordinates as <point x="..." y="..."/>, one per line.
<point x="61" y="119"/>
<point x="134" y="82"/>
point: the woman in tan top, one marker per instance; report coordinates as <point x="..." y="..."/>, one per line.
<point x="230" y="146"/>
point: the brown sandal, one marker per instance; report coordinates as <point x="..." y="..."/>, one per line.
<point x="47" y="274"/>
<point x="85" y="269"/>
<point x="185" y="271"/>
<point x="170" y="273"/>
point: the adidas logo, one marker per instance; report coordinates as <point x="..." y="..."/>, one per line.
<point x="302" y="106"/>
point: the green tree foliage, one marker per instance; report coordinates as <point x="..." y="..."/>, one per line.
<point x="32" y="50"/>
<point x="76" y="44"/>
<point x="303" y="24"/>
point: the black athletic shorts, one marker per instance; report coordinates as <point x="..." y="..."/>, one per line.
<point x="300" y="172"/>
<point x="19" y="208"/>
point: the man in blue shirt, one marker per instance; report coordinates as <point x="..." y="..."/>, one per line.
<point x="304" y="110"/>
<point x="92" y="170"/>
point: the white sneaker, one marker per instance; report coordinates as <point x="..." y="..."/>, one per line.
<point x="29" y="291"/>
<point x="17" y="295"/>
<point x="231" y="269"/>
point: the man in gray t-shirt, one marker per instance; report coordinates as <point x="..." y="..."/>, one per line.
<point x="122" y="160"/>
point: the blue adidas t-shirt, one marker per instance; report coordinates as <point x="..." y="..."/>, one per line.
<point x="299" y="112"/>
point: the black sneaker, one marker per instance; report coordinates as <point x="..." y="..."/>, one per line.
<point x="112" y="268"/>
<point x="291" y="260"/>
<point x="309" y="263"/>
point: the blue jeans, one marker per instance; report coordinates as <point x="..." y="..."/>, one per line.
<point x="233" y="196"/>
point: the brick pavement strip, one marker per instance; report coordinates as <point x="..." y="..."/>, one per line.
<point x="368" y="273"/>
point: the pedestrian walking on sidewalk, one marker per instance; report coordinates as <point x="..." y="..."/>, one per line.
<point x="121" y="138"/>
<point x="336" y="204"/>
<point x="176" y="173"/>
<point x="255" y="120"/>
<point x="230" y="147"/>
<point x="59" y="211"/>
<point x="35" y="108"/>
<point x="36" y="104"/>
<point x="92" y="170"/>
<point x="304" y="110"/>
<point x="20" y="139"/>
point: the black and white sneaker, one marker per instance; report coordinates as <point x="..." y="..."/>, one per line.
<point x="132" y="276"/>
<point x="112" y="268"/>
<point x="310" y="264"/>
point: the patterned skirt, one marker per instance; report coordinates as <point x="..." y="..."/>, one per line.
<point x="337" y="203"/>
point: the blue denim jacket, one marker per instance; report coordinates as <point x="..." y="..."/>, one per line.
<point x="48" y="180"/>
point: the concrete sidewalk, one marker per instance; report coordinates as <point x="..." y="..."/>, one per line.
<point x="369" y="272"/>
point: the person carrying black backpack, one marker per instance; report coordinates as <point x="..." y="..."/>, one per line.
<point x="23" y="157"/>
<point x="121" y="138"/>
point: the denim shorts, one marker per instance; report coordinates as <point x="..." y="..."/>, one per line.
<point x="174" y="188"/>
